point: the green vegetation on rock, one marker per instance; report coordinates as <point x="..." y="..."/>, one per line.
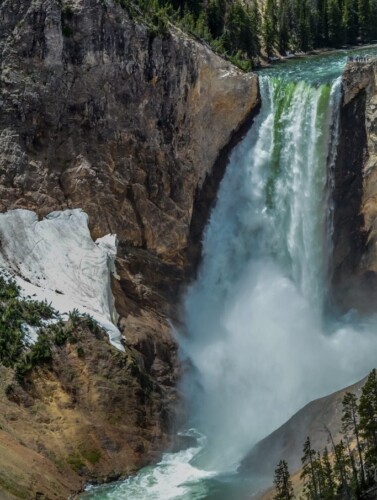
<point x="229" y="27"/>
<point x="17" y="315"/>
<point x="244" y="30"/>
<point x="305" y="25"/>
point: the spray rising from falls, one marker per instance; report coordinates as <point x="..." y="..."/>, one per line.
<point x="256" y="334"/>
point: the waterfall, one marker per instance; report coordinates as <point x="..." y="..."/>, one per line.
<point x="259" y="337"/>
<point x="335" y="130"/>
<point x="256" y="338"/>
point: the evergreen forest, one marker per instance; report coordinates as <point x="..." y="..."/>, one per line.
<point x="246" y="30"/>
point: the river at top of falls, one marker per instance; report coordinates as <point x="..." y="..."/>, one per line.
<point x="256" y="335"/>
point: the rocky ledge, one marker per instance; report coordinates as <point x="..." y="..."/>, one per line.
<point x="99" y="112"/>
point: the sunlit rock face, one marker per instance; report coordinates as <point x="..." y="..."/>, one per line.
<point x="126" y="125"/>
<point x="58" y="256"/>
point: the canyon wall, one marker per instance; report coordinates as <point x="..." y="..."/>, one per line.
<point x="102" y="113"/>
<point x="355" y="192"/>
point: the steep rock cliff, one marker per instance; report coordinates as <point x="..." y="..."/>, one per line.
<point x="287" y="441"/>
<point x="355" y="193"/>
<point x="98" y="112"/>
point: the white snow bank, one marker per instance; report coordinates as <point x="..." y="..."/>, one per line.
<point x="31" y="334"/>
<point x="55" y="259"/>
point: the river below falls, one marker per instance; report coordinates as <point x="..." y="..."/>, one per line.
<point x="258" y="334"/>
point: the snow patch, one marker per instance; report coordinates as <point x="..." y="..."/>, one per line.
<point x="31" y="334"/>
<point x="55" y="259"/>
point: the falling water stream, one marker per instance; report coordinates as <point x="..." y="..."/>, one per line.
<point x="256" y="334"/>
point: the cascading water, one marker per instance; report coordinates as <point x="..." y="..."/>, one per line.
<point x="256" y="336"/>
<point x="255" y="310"/>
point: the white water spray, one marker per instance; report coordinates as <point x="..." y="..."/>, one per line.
<point x="256" y="337"/>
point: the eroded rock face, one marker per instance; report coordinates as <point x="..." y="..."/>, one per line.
<point x="93" y="413"/>
<point x="113" y="119"/>
<point x="355" y="195"/>
<point x="100" y="114"/>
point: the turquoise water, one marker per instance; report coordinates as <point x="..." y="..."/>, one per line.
<point x="317" y="69"/>
<point x="257" y="336"/>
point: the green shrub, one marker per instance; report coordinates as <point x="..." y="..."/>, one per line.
<point x="40" y="352"/>
<point x="74" y="317"/>
<point x="67" y="31"/>
<point x="66" y="18"/>
<point x="8" y="288"/>
<point x="14" y="314"/>
<point x="93" y="456"/>
<point x="34" y="311"/>
<point x="91" y="323"/>
<point x="67" y="12"/>
<point x="80" y="352"/>
<point x="75" y="462"/>
<point x="22" y="369"/>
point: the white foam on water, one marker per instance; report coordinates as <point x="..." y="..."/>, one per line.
<point x="172" y="478"/>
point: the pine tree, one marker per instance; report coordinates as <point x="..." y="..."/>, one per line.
<point x="216" y="11"/>
<point x="239" y="34"/>
<point x="201" y="27"/>
<point x="188" y="21"/>
<point x="329" y="487"/>
<point x="364" y="19"/>
<point x="350" y="424"/>
<point x="373" y="19"/>
<point x="309" y="471"/>
<point x="350" y="21"/>
<point x="355" y="485"/>
<point x="324" y="23"/>
<point x="194" y="6"/>
<point x="320" y="475"/>
<point x="282" y="482"/>
<point x="334" y="17"/>
<point x="368" y="419"/>
<point x="270" y="26"/>
<point x="341" y="469"/>
<point x="283" y="41"/>
<point x="255" y="27"/>
<point x="304" y="28"/>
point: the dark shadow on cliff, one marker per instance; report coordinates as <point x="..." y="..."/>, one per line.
<point x="206" y="196"/>
<point x="350" y="287"/>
